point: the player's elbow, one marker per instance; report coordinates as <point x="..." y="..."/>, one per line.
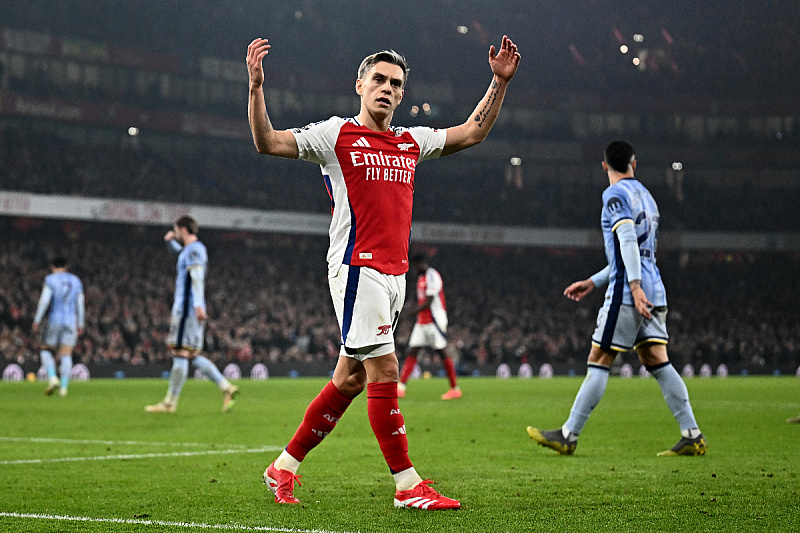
<point x="469" y="142"/>
<point x="462" y="143"/>
<point x="280" y="144"/>
<point x="263" y="139"/>
<point x="265" y="148"/>
<point x="476" y="136"/>
<point x="262" y="143"/>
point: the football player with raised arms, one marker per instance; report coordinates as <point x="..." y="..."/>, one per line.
<point x="634" y="313"/>
<point x="368" y="168"/>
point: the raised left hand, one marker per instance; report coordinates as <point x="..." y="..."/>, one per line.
<point x="504" y="62"/>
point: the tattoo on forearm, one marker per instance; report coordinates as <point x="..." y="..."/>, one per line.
<point x="481" y="116"/>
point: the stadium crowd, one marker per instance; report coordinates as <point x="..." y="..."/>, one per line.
<point x="267" y="295"/>
<point x="717" y="68"/>
<point x="40" y="162"/>
<point x="269" y="302"/>
<point x="723" y="48"/>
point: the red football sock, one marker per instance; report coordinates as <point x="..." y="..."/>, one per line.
<point x="320" y="419"/>
<point x="388" y="425"/>
<point x="408" y="368"/>
<point x="451" y="371"/>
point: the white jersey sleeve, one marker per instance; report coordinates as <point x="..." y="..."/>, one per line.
<point x="430" y="141"/>
<point x="316" y="142"/>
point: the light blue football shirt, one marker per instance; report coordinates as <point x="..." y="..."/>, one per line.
<point x="66" y="289"/>
<point x="625" y="201"/>
<point x="193" y="255"/>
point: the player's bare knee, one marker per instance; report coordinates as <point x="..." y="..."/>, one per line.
<point x="383" y="374"/>
<point x="599" y="356"/>
<point x="652" y="353"/>
<point x="351" y="385"/>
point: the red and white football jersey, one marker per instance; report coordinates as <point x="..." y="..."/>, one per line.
<point x="430" y="284"/>
<point x="370" y="179"/>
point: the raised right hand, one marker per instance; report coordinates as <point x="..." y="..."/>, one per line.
<point x="255" y="55"/>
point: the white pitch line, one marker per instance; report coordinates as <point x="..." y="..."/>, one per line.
<point x="139" y="521"/>
<point x="111" y="442"/>
<point x="140" y="456"/>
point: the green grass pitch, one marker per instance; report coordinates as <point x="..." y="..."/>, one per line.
<point x="95" y="461"/>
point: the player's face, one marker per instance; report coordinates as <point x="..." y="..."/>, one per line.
<point x="381" y="88"/>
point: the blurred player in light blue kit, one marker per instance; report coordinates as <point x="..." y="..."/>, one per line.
<point x="62" y="295"/>
<point x="188" y="317"/>
<point x="634" y="313"/>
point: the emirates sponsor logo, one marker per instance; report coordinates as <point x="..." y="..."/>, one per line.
<point x="380" y="159"/>
<point x="385" y="167"/>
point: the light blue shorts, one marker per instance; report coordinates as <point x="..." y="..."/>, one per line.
<point x="59" y="335"/>
<point x="186" y="333"/>
<point x="621" y="328"/>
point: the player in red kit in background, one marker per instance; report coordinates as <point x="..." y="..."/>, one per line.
<point x="430" y="329"/>
<point x="368" y="168"/>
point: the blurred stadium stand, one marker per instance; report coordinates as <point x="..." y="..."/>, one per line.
<point x="268" y="301"/>
<point x="148" y="102"/>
